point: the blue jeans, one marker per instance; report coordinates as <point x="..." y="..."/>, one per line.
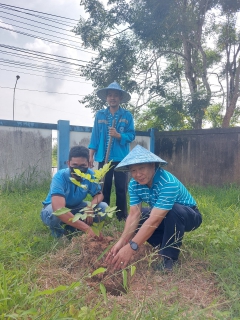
<point x="57" y="227"/>
<point x="169" y="234"/>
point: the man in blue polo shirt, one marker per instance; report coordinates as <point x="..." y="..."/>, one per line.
<point x="113" y="130"/>
<point x="64" y="193"/>
<point x="171" y="211"/>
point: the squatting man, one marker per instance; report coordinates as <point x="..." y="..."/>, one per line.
<point x="172" y="211"/>
<point x="64" y="193"/>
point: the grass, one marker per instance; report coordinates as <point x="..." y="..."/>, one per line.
<point x="25" y="243"/>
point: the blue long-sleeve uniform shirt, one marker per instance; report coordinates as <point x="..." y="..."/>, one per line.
<point x="119" y="147"/>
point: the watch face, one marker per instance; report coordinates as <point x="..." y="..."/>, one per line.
<point x="133" y="245"/>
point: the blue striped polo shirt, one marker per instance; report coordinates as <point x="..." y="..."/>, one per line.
<point x="166" y="190"/>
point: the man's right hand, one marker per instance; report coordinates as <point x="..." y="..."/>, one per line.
<point x="91" y="161"/>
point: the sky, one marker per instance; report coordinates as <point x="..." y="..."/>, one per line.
<point x="46" y="91"/>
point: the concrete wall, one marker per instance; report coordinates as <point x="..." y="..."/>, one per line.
<point x="201" y="157"/>
<point x="83" y="139"/>
<point x="24" y="151"/>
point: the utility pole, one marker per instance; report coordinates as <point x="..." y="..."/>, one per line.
<point x="17" y="77"/>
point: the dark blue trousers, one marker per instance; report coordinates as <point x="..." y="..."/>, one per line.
<point x="120" y="180"/>
<point x="169" y="234"/>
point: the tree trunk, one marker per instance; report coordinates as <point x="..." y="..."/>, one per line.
<point x="233" y="99"/>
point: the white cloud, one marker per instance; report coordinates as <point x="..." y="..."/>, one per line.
<point x="8" y="26"/>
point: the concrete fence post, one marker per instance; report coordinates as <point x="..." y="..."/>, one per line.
<point x="63" y="141"/>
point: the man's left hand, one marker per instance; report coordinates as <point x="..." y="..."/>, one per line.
<point x="122" y="258"/>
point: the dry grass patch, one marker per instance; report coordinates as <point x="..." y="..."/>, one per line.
<point x="191" y="286"/>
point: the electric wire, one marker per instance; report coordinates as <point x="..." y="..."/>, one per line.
<point x="38" y="52"/>
<point x="46" y="34"/>
<point x="49" y="14"/>
<point x="39" y="22"/>
<point x="64" y="93"/>
<point x="45" y="76"/>
<point x="34" y="15"/>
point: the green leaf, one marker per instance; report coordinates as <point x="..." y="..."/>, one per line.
<point x="133" y="270"/>
<point x="78" y="216"/>
<point x="103" y="291"/>
<point x="98" y="271"/>
<point x="110" y="214"/>
<point x="101" y="214"/>
<point x="124" y="274"/>
<point x="57" y="289"/>
<point x="95" y="230"/>
<point x="111" y="209"/>
<point x="99" y="174"/>
<point x="77" y="183"/>
<point x="61" y="211"/>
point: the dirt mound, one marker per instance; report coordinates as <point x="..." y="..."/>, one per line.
<point x="190" y="284"/>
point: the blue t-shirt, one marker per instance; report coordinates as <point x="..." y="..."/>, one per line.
<point x="166" y="190"/>
<point x="61" y="185"/>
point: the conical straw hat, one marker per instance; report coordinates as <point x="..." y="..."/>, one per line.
<point x="102" y="93"/>
<point x="139" y="155"/>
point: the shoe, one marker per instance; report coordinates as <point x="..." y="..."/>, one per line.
<point x="166" y="265"/>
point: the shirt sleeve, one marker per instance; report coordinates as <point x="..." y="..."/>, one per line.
<point x="57" y="186"/>
<point x="94" y="141"/>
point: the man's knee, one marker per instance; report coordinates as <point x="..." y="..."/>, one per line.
<point x="49" y="219"/>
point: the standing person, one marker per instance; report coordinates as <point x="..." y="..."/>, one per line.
<point x="171" y="212"/>
<point x="64" y="193"/>
<point x="119" y="137"/>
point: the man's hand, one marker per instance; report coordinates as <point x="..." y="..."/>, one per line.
<point x="91" y="161"/>
<point x="122" y="258"/>
<point x="113" y="133"/>
<point x="112" y="253"/>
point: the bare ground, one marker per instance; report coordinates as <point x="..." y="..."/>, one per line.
<point x="191" y="285"/>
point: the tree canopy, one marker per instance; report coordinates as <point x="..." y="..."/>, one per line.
<point x="160" y="51"/>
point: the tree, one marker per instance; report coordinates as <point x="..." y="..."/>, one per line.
<point x="144" y="35"/>
<point x="229" y="44"/>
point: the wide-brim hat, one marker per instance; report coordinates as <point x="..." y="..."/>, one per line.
<point x="102" y="93"/>
<point x="139" y="155"/>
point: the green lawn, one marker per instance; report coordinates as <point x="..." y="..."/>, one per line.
<point x="25" y="242"/>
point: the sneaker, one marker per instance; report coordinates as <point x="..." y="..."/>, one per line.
<point x="166" y="264"/>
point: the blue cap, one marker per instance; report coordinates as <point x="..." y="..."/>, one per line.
<point x="139" y="155"/>
<point x="102" y="93"/>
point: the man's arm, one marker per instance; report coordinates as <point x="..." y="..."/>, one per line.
<point x="58" y="203"/>
<point x="91" y="157"/>
<point x="128" y="232"/>
<point x="121" y="258"/>
<point x="150" y="225"/>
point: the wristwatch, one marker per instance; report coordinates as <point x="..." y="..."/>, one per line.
<point x="133" y="245"/>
